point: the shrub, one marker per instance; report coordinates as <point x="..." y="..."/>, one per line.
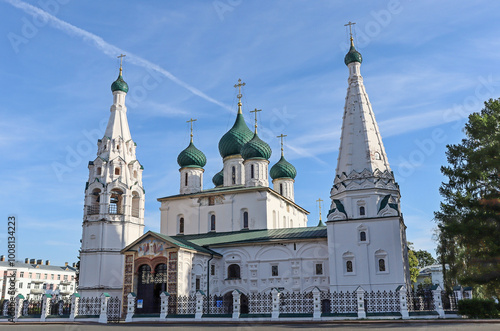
<point x="477" y="308"/>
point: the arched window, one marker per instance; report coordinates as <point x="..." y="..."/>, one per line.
<point x="145" y="274"/>
<point x="135" y="173"/>
<point x="233" y="175"/>
<point x="362" y="236"/>
<point x="117" y="146"/>
<point x="245" y="220"/>
<point x="117" y="171"/>
<point x="233" y="271"/>
<point x="98" y="171"/>
<point x="348" y="266"/>
<point x="115" y="202"/>
<point x="362" y="211"/>
<point x="94" y="204"/>
<point x="281" y="189"/>
<point x="181" y="225"/>
<point x="381" y="265"/>
<point x="160" y="276"/>
<point x="136" y="199"/>
<point x="212" y="222"/>
<point x="251" y="171"/>
<point x="186" y="179"/>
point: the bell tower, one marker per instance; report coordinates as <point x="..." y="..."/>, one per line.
<point x="113" y="213"/>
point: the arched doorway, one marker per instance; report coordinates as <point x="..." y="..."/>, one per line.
<point x="243" y="304"/>
<point x="145" y="288"/>
<point x="160" y="285"/>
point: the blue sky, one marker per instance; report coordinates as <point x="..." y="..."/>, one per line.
<point x="426" y="66"/>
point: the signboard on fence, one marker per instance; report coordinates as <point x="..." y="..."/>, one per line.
<point x="139" y="303"/>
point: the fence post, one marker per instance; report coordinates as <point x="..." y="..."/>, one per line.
<point x="403" y="301"/>
<point x="18" y="311"/>
<point x="317" y="303"/>
<point x="103" y="316"/>
<point x="75" y="301"/>
<point x="360" y="295"/>
<point x="46" y="299"/>
<point x="276" y="304"/>
<point x="438" y="303"/>
<point x="199" y="305"/>
<point x="130" y="306"/>
<point x="236" y="303"/>
<point x="164" y="296"/>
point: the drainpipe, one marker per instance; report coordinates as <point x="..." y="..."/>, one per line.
<point x="208" y="280"/>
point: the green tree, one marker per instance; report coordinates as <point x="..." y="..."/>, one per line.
<point x="469" y="216"/>
<point x="413" y="261"/>
<point x="424" y="258"/>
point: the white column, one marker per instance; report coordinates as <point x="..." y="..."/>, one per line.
<point x="164" y="296"/>
<point x="360" y="295"/>
<point x="130" y="307"/>
<point x="236" y="303"/>
<point x="317" y="303"/>
<point x="19" y="307"/>
<point x="403" y="302"/>
<point x="46" y="299"/>
<point x="103" y="316"/>
<point x="199" y="305"/>
<point x="75" y="301"/>
<point x="276" y="304"/>
<point x="438" y="303"/>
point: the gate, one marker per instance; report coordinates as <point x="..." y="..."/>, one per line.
<point x="114" y="312"/>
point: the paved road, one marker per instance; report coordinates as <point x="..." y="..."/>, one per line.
<point x="372" y="326"/>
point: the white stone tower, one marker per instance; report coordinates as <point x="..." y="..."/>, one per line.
<point x="191" y="160"/>
<point x="366" y="231"/>
<point x="256" y="154"/>
<point x="230" y="145"/>
<point x="283" y="174"/>
<point x="114" y="203"/>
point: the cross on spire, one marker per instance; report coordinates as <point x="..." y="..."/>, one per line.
<point x="121" y="56"/>
<point x="350" y="24"/>
<point x="191" y="122"/>
<point x="239" y="85"/>
<point x="255" y="111"/>
<point x="281" y="136"/>
<point x="319" y="206"/>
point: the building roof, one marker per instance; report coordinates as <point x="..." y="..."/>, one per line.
<point x="191" y="157"/>
<point x="19" y="264"/>
<point x="231" y="189"/>
<point x="119" y="84"/>
<point x="235" y="138"/>
<point x="256" y="148"/>
<point x="254" y="236"/>
<point x="177" y="241"/>
<point x="283" y="169"/>
<point x="218" y="178"/>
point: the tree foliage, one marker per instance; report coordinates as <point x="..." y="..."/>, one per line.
<point x="424" y="258"/>
<point x="469" y="217"/>
<point x="413" y="261"/>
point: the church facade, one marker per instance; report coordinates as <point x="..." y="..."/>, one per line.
<point x="242" y="234"/>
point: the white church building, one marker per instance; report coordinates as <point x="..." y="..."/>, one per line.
<point x="246" y="233"/>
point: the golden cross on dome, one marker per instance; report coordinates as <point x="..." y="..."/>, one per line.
<point x="350" y="24"/>
<point x="191" y="122"/>
<point x="121" y="56"/>
<point x="239" y="85"/>
<point x="255" y="111"/>
<point x="281" y="136"/>
<point x="319" y="204"/>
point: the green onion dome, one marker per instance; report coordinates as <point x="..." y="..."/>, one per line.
<point x="191" y="157"/>
<point x="353" y="55"/>
<point x="232" y="142"/>
<point x="256" y="149"/>
<point x="218" y="179"/>
<point x="283" y="169"/>
<point x="119" y="84"/>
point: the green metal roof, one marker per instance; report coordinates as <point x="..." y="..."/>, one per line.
<point x="256" y="148"/>
<point x="254" y="236"/>
<point x="218" y="178"/>
<point x="191" y="157"/>
<point x="353" y="55"/>
<point x="119" y="85"/>
<point x="235" y="138"/>
<point x="283" y="169"/>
